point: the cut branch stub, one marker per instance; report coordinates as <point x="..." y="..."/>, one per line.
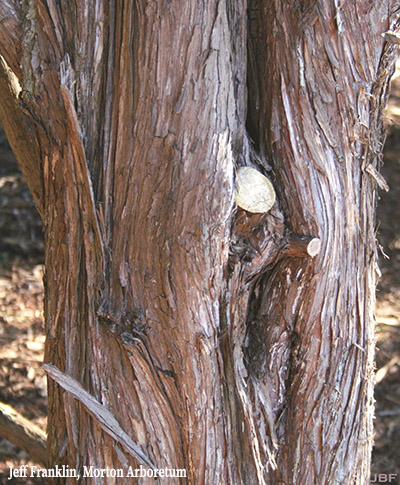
<point x="298" y="246"/>
<point x="254" y="192"/>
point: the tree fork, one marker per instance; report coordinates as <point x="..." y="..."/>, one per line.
<point x="235" y="337"/>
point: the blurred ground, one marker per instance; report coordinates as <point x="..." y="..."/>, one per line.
<point x="22" y="381"/>
<point x="386" y="454"/>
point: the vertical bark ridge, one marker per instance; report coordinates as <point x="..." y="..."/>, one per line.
<point x="177" y="217"/>
<point x="175" y="213"/>
<point x="318" y="132"/>
<point x="176" y="311"/>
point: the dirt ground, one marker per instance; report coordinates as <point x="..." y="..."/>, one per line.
<point x="386" y="454"/>
<point x="22" y="380"/>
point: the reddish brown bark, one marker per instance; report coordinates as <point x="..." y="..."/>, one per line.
<point x="327" y="82"/>
<point x="213" y="337"/>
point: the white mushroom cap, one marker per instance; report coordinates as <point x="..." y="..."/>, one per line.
<point x="254" y="191"/>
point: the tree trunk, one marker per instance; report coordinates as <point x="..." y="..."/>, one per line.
<point x="219" y="340"/>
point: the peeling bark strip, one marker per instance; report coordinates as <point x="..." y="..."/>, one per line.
<point x="102" y="415"/>
<point x="236" y="345"/>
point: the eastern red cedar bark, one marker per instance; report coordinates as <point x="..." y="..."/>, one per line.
<point x="215" y="340"/>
